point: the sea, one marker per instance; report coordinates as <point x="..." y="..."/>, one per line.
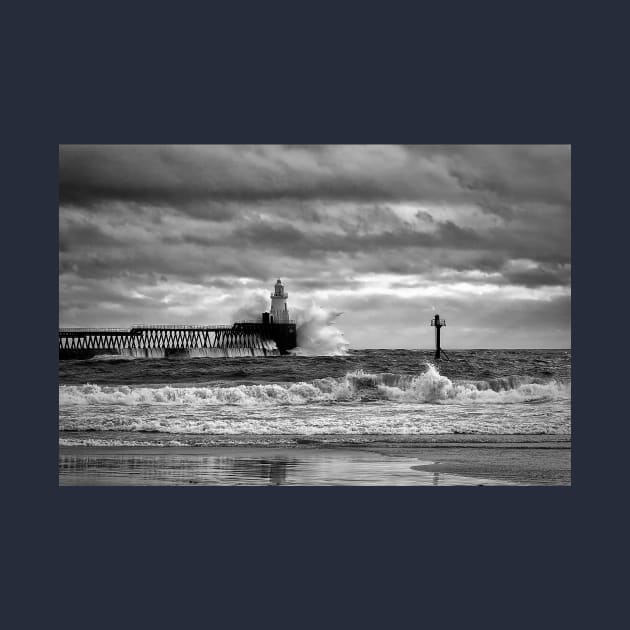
<point x="356" y="401"/>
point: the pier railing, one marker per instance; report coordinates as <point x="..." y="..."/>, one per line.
<point x="68" y="332"/>
<point x="94" y="330"/>
<point x="181" y="326"/>
<point x="257" y="321"/>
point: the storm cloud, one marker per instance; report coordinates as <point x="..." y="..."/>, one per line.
<point x="386" y="234"/>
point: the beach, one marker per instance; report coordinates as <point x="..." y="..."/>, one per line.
<point x="367" y="417"/>
<point x="436" y="463"/>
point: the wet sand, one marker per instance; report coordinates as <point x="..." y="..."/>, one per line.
<point x="516" y="466"/>
<point x="435" y="465"/>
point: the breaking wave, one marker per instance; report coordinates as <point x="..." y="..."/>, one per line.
<point x="317" y="334"/>
<point x="356" y="386"/>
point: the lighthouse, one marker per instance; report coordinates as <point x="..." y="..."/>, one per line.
<point x="276" y="324"/>
<point x="279" y="311"/>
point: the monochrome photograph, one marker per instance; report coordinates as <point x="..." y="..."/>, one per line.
<point x="314" y="315"/>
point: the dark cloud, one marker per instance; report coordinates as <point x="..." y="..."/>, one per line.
<point x="274" y="235"/>
<point x="323" y="284"/>
<point x="175" y="175"/>
<point x="541" y="275"/>
<point x="170" y="231"/>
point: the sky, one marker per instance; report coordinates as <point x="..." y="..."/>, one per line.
<point x="386" y="235"/>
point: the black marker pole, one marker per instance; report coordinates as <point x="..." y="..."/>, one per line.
<point x="438" y="323"/>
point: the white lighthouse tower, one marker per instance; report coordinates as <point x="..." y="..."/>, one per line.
<point x="279" y="311"/>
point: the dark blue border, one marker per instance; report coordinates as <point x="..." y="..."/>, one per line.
<point x="301" y="557"/>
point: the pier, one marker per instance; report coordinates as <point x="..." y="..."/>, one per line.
<point x="151" y="340"/>
<point x="273" y="334"/>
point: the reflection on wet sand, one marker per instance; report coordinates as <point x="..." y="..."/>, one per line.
<point x="273" y="470"/>
<point x="242" y="466"/>
<point x="176" y="469"/>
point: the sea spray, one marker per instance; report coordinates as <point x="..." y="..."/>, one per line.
<point x="317" y="334"/>
<point x="253" y="308"/>
<point x="432" y="387"/>
<point x="268" y="348"/>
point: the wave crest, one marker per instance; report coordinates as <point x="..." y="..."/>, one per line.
<point x="357" y="386"/>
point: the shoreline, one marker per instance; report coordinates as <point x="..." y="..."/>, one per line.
<point x="318" y="464"/>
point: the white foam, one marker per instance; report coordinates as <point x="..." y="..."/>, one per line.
<point x="268" y="348"/>
<point x="143" y="353"/>
<point x="112" y="357"/>
<point x="320" y="419"/>
<point x="96" y="442"/>
<point x="356" y="404"/>
<point x="317" y="334"/>
<point x="428" y="387"/>
<point x="433" y="387"/>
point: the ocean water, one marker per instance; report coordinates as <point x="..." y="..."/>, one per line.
<point x="360" y="398"/>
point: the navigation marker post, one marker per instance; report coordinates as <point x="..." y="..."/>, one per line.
<point x="438" y="323"/>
